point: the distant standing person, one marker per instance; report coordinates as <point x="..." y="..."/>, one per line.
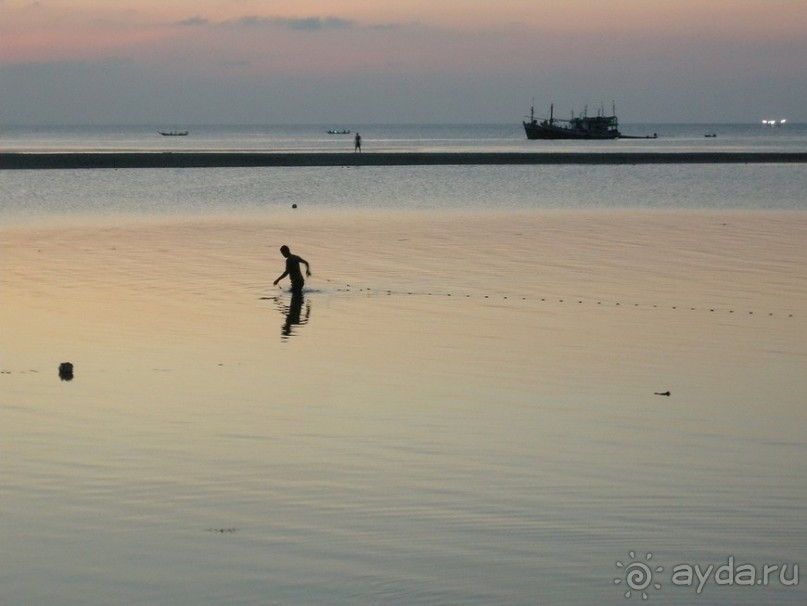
<point x="357" y="141"/>
<point x="293" y="270"/>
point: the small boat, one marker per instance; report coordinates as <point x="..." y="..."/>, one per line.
<point x="339" y="132"/>
<point x="710" y="135"/>
<point x="173" y="133"/>
<point x="599" y="127"/>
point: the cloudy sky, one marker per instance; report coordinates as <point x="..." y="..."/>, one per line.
<point x="383" y="61"/>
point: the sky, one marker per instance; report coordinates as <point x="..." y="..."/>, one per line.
<point x="184" y="62"/>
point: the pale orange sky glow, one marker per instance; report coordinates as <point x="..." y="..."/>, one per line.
<point x="741" y="16"/>
<point x="650" y="56"/>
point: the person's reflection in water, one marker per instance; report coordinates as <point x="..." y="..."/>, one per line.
<point x="294" y="313"/>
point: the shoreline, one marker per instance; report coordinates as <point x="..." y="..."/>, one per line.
<point x="166" y="159"/>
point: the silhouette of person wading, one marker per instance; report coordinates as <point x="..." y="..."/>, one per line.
<point x="357" y="142"/>
<point x="293" y="270"/>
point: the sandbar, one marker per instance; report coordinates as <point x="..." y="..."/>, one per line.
<point x="97" y="160"/>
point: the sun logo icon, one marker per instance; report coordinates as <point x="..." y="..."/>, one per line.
<point x="638" y="575"/>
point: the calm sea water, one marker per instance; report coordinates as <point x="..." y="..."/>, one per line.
<point x="398" y="450"/>
<point x="32" y="195"/>
<point x="488" y="137"/>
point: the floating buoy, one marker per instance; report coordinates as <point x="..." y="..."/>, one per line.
<point x="66" y="371"/>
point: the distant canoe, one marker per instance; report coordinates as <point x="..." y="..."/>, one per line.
<point x="173" y="133"/>
<point x="339" y="132"/>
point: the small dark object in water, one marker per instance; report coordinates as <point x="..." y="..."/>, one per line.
<point x="662" y="393"/>
<point x="294" y="206"/>
<point x="66" y="371"/>
<point x="223" y="530"/>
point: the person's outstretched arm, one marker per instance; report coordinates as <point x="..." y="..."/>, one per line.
<point x="283" y="275"/>
<point x="307" y="267"/>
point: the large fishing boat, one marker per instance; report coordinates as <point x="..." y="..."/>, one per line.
<point x="578" y="127"/>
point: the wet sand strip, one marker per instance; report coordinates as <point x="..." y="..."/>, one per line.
<point x="95" y="160"/>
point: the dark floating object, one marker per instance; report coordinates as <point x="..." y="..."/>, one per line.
<point x="223" y="530"/>
<point x="662" y="393"/>
<point x="66" y="371"/>
<point x="294" y="206"/>
<point x="174" y="133"/>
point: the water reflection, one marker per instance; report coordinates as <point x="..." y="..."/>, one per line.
<point x="293" y="312"/>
